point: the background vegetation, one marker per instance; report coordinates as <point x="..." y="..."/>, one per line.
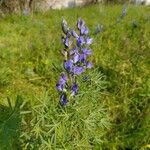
<point x="25" y="6"/>
<point x="112" y="108"/>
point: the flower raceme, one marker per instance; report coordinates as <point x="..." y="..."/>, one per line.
<point x="76" y="52"/>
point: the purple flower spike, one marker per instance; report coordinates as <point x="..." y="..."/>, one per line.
<point x="74" y="89"/>
<point x="78" y="70"/>
<point x="89" y="65"/>
<point x="76" y="52"/>
<point x="124" y="11"/>
<point x="63" y="99"/>
<point x="80" y="24"/>
<point x="68" y="65"/>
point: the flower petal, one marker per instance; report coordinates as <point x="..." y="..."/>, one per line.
<point x="63" y="79"/>
<point x="83" y="57"/>
<point x="88" y="41"/>
<point x="78" y="70"/>
<point x="59" y="87"/>
<point x="66" y="42"/>
<point x="84" y="30"/>
<point x="74" y="89"/>
<point x="68" y="65"/>
<point x="74" y="34"/>
<point x="89" y="65"/>
<point x="64" y="26"/>
<point x="74" y="50"/>
<point x="80" y="23"/>
<point x="86" y="51"/>
<point x="80" y="41"/>
<point x="76" y="57"/>
<point x="63" y="99"/>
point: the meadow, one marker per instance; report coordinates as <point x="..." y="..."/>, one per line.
<point x="112" y="108"/>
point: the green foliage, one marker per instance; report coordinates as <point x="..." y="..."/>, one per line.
<point x="111" y="110"/>
<point x="82" y="124"/>
<point x="10" y="122"/>
<point x="5" y="74"/>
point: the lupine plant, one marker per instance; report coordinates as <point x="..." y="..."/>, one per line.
<point x="76" y="51"/>
<point x="123" y="14"/>
<point x="100" y="28"/>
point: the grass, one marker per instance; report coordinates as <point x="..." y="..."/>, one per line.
<point x="111" y="112"/>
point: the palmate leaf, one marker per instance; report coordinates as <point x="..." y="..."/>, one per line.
<point x="9" y="125"/>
